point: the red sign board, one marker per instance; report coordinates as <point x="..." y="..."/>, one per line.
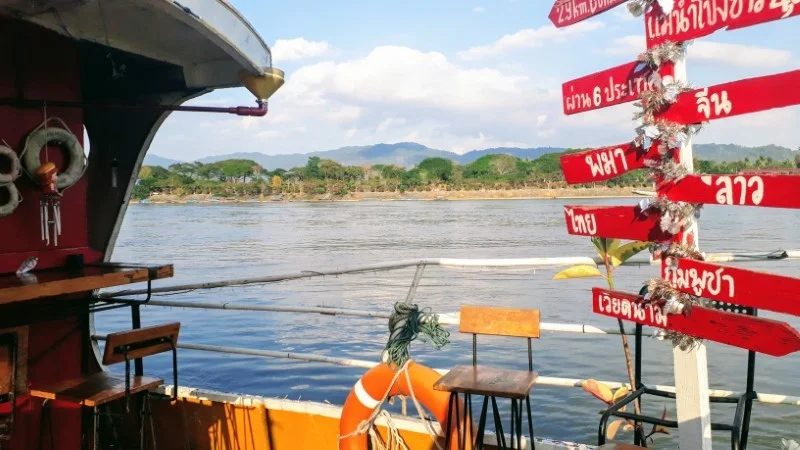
<point x="766" y="336"/>
<point x="775" y="191"/>
<point x="614" y="86"/>
<point x="568" y="12"/>
<point x="692" y="19"/>
<point x="605" y="163"/>
<point x="621" y="222"/>
<point x="733" y="285"/>
<point x="736" y="98"/>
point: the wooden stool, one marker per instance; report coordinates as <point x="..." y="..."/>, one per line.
<point x="490" y="382"/>
<point x="100" y="389"/>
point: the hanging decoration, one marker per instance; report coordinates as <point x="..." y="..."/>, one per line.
<point x="667" y="52"/>
<point x="639" y="7"/>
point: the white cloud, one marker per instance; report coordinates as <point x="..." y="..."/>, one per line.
<point x="528" y="38"/>
<point x="299" y="48"/>
<point x="350" y="133"/>
<point x="390" y="122"/>
<point x="478" y="9"/>
<point x="346" y="114"/>
<point x="268" y="134"/>
<point x="540" y="119"/>
<point x="546" y="133"/>
<point x="627" y="46"/>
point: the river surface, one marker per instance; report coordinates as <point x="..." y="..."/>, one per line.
<point x="209" y="242"/>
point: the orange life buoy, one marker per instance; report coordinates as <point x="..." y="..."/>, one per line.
<point x="367" y="393"/>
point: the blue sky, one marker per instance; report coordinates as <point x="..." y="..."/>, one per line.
<point x="458" y="76"/>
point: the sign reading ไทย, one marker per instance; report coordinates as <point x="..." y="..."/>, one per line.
<point x="620" y="222"/>
<point x="605" y="163"/>
<point x="568" y="12"/>
<point x="733" y="285"/>
<point x="766" y="336"/>
<point x="617" y="85"/>
<point x="692" y="19"/>
<point x="774" y="191"/>
<point x="735" y="98"/>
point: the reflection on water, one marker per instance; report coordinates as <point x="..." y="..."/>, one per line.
<point x="220" y="241"/>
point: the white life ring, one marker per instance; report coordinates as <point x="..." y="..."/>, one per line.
<point x="15" y="165"/>
<point x="13" y="200"/>
<point x="65" y="140"/>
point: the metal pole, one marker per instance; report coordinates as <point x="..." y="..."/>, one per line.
<point x="417" y="277"/>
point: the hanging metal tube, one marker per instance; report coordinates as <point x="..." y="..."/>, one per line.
<point x="259" y="111"/>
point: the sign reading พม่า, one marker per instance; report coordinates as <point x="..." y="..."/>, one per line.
<point x="766" y="336"/>
<point x="605" y="163"/>
<point x="568" y="12"/>
<point x="613" y="86"/>
<point x="691" y="19"/>
<point x="774" y="191"/>
<point x="733" y="285"/>
<point x="620" y="222"/>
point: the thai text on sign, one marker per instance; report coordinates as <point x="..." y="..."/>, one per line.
<point x="774" y="191"/>
<point x="568" y="12"/>
<point x="614" y="86"/>
<point x="620" y="222"/>
<point x="605" y="163"/>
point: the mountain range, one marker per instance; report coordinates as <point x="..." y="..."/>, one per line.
<point x="408" y="154"/>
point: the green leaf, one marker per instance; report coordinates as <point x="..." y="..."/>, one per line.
<point x="581" y="271"/>
<point x="627" y="251"/>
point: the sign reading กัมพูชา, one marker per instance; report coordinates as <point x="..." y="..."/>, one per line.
<point x="568" y="12"/>
<point x="773" y="191"/>
<point x="620" y="222"/>
<point x="691" y="19"/>
<point x="733" y="285"/>
<point x="766" y="336"/>
<point x="605" y="163"/>
<point x="735" y="98"/>
<point x="621" y="84"/>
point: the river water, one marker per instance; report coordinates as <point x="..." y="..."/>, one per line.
<point x="209" y="242"/>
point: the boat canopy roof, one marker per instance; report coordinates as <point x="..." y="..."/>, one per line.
<point x="209" y="39"/>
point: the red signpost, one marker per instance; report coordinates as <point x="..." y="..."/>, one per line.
<point x="605" y="163"/>
<point x="690" y="19"/>
<point x="736" y="98"/>
<point x="620" y="222"/>
<point x="733" y="285"/>
<point x="614" y="86"/>
<point x="766" y="336"/>
<point x="568" y="12"/>
<point x="774" y="191"/>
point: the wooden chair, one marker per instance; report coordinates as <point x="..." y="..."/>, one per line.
<point x="490" y="382"/>
<point x="100" y="389"/>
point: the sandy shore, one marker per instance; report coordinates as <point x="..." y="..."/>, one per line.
<point x="488" y="194"/>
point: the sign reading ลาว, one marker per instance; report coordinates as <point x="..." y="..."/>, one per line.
<point x="613" y="86"/>
<point x="774" y="191"/>
<point x="766" y="336"/>
<point x="568" y="12"/>
<point x="733" y="285"/>
<point x="691" y="19"/>
<point x="735" y="98"/>
<point x="605" y="163"/>
<point x="620" y="222"/>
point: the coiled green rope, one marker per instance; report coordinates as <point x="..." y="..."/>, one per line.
<point x="406" y="323"/>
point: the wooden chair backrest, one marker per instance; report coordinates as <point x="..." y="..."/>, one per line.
<point x="500" y="321"/>
<point x="143" y="342"/>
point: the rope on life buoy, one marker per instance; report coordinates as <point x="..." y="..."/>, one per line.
<point x="63" y="138"/>
<point x="14" y="164"/>
<point x="13" y="200"/>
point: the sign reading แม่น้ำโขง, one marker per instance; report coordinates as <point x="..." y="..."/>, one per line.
<point x="605" y="163"/>
<point x="735" y="98"/>
<point x="772" y="191"/>
<point x="620" y="84"/>
<point x="761" y="335"/>
<point x="691" y="19"/>
<point x="620" y="222"/>
<point x="568" y="12"/>
<point x="733" y="285"/>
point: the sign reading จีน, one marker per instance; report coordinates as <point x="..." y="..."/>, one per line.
<point x="735" y="98"/>
<point x="690" y="19"/>
<point x="568" y="12"/>
<point x="766" y="336"/>
<point x="733" y="285"/>
<point x="774" y="191"/>
<point x="605" y="163"/>
<point x="613" y="86"/>
<point x="620" y="222"/>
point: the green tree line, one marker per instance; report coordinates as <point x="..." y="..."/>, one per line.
<point x="242" y="177"/>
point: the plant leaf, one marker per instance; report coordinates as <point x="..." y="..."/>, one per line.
<point x="598" y="389"/>
<point x="624" y="253"/>
<point x="613" y="427"/>
<point x="620" y="394"/>
<point x="627" y="427"/>
<point x="600" y="246"/>
<point x="581" y="271"/>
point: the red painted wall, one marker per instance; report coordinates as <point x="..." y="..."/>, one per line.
<point x="39" y="64"/>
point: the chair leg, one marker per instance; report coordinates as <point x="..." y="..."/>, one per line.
<point x="447" y="425"/>
<point x="530" y="422"/>
<point x="498" y="425"/>
<point x="519" y="423"/>
<point x="465" y="423"/>
<point x="481" y="425"/>
<point x="46" y="413"/>
<point x="96" y="428"/>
